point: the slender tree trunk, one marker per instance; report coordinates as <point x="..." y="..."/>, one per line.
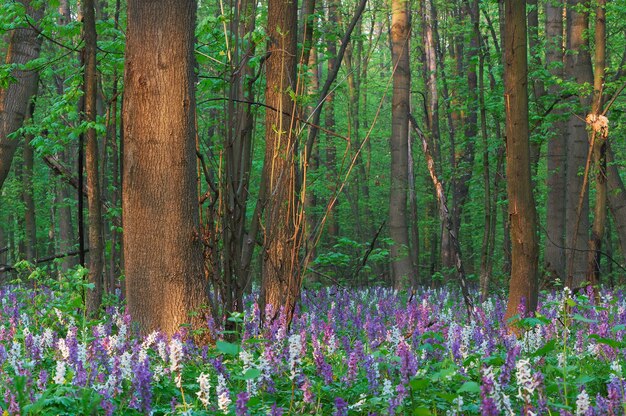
<point x="598" y="137"/>
<point x="94" y="202"/>
<point x="554" y="252"/>
<point x="162" y="252"/>
<point x="332" y="224"/>
<point x="617" y="199"/>
<point x="400" y="108"/>
<point x="30" y="223"/>
<point x="577" y="68"/>
<point x="523" y="287"/>
<point x="24" y="46"/>
<point x="280" y="286"/>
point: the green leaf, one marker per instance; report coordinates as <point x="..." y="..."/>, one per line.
<point x="606" y="341"/>
<point x="421" y="411"/>
<point x="227" y="348"/>
<point x="619" y="327"/>
<point x="548" y="347"/>
<point x="579" y="317"/>
<point x="251" y="373"/>
<point x="419" y="383"/>
<point x="469" y="387"/>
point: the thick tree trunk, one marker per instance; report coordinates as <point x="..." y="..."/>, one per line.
<point x="24" y="46"/>
<point x="280" y="286"/>
<point x="578" y="69"/>
<point x="162" y="252"/>
<point x="90" y="86"/>
<point x="554" y="252"/>
<point x="523" y="287"/>
<point x="400" y="107"/>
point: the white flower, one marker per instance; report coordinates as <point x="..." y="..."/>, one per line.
<point x="387" y="388"/>
<point x="295" y="347"/>
<point x="63" y="348"/>
<point x="178" y="380"/>
<point x="204" y="389"/>
<point x="82" y="353"/>
<point x="332" y="345"/>
<point x="526" y="383"/>
<point x="125" y="366"/>
<point x="59" y="376"/>
<point x="47" y="338"/>
<point x="223" y="396"/>
<point x="394" y="336"/>
<point x="162" y="349"/>
<point x="176" y="354"/>
<point x="357" y="406"/>
<point x="501" y="399"/>
<point x="582" y="403"/>
<point x="616" y="369"/>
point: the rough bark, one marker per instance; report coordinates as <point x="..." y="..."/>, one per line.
<point x="577" y="68"/>
<point x="24" y="46"/>
<point x="162" y="251"/>
<point x="280" y="286"/>
<point x="401" y="266"/>
<point x="90" y="85"/>
<point x="554" y="251"/>
<point x="523" y="286"/>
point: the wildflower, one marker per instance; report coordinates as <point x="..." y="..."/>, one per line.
<point x="176" y="354"/>
<point x="223" y="395"/>
<point x="387" y="388"/>
<point x="276" y="410"/>
<point x="492" y="394"/>
<point x="125" y="366"/>
<point x="358" y="405"/>
<point x="241" y="405"/>
<point x="204" y="389"/>
<point x="341" y="407"/>
<point x="294" y="355"/>
<point x="308" y="396"/>
<point x="525" y="382"/>
<point x="583" y="405"/>
<point x="59" y="376"/>
<point x="63" y="348"/>
<point x="142" y="381"/>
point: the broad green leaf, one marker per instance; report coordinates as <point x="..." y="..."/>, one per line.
<point x="227" y="348"/>
<point x="469" y="387"/>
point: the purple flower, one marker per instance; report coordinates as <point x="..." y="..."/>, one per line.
<point x="276" y="410"/>
<point x="241" y="405"/>
<point x="142" y="384"/>
<point x="341" y="407"/>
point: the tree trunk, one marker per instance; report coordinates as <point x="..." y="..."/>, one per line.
<point x="162" y="252"/>
<point x="578" y="69"/>
<point x="90" y="86"/>
<point x="30" y="224"/>
<point x="523" y="287"/>
<point x="24" y="46"/>
<point x="554" y="252"/>
<point x="616" y="199"/>
<point x="280" y="286"/>
<point x="401" y="266"/>
<point x="598" y="137"/>
<point x="332" y="224"/>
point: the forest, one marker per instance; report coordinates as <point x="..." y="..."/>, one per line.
<point x="216" y="208"/>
